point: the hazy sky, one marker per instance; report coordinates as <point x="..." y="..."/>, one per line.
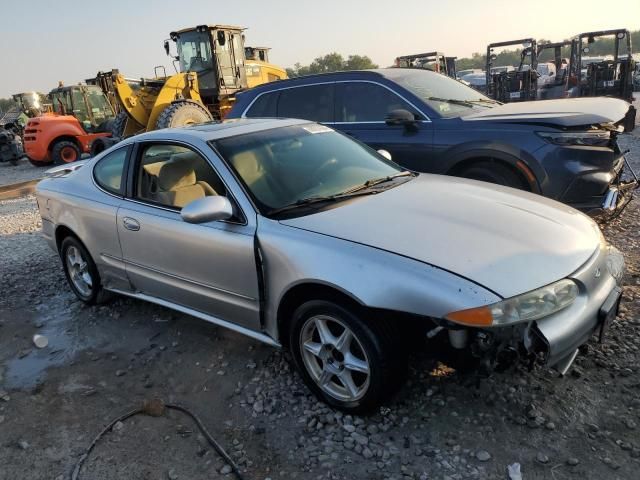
<point x="44" y="41"/>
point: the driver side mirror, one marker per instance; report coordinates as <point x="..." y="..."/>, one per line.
<point x="166" y="48"/>
<point x="400" y="117"/>
<point x="207" y="209"/>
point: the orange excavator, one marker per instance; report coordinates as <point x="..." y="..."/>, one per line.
<point x="81" y="114"/>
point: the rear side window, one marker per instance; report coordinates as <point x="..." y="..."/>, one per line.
<point x="109" y="171"/>
<point x="264" y="106"/>
<point x="313" y="102"/>
<point x="367" y="102"/>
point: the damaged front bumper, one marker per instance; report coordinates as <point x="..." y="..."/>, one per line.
<point x="554" y="340"/>
<point x="619" y="193"/>
<point x="558" y="337"/>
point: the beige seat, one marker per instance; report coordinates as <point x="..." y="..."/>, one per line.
<point x="254" y="175"/>
<point x="178" y="185"/>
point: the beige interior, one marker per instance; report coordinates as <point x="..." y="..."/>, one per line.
<point x="174" y="183"/>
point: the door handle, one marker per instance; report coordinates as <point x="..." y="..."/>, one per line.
<point x="131" y="224"/>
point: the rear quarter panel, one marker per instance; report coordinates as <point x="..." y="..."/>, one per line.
<point x="76" y="203"/>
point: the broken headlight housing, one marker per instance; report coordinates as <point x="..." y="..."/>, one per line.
<point x="596" y="138"/>
<point x="527" y="307"/>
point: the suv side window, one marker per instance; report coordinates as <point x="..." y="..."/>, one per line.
<point x="173" y="176"/>
<point x="264" y="106"/>
<point x="109" y="171"/>
<point x="367" y="102"/>
<point x="312" y="102"/>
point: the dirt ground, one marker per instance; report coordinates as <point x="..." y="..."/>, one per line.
<point x="104" y="361"/>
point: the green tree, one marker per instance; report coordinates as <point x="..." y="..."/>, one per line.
<point x="331" y="62"/>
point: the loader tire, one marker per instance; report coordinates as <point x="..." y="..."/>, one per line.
<point x="181" y="113"/>
<point x="119" y="124"/>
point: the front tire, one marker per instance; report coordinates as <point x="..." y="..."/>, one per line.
<point x="493" y="172"/>
<point x="181" y="113"/>
<point x="81" y="272"/>
<point x="347" y="362"/>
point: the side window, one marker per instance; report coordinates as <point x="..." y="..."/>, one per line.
<point x="314" y="102"/>
<point x="264" y="106"/>
<point x="173" y="176"/>
<point x="109" y="171"/>
<point x="367" y="102"/>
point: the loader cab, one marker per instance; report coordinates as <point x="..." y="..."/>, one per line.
<point x="87" y="103"/>
<point x="216" y="54"/>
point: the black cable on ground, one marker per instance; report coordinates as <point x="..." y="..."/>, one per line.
<point x="156" y="408"/>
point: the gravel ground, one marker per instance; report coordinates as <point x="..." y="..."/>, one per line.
<point x="19" y="173"/>
<point x="445" y="424"/>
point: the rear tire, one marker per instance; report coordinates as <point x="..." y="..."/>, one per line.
<point x="64" y="152"/>
<point x="181" y="113"/>
<point x="81" y="272"/>
<point x="494" y="172"/>
<point x="356" y="375"/>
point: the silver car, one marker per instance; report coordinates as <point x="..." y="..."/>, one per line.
<point x="298" y="236"/>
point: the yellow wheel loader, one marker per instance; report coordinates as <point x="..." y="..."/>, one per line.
<point x="213" y="68"/>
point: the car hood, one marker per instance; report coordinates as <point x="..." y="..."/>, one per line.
<point x="568" y="112"/>
<point x="506" y="240"/>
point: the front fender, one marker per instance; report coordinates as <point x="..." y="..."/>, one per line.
<point x="372" y="277"/>
<point x="520" y="159"/>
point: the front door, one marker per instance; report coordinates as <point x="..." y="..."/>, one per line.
<point x="360" y="111"/>
<point x="207" y="267"/>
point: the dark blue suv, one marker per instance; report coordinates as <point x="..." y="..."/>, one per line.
<point x="563" y="149"/>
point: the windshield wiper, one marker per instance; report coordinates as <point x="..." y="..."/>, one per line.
<point x="376" y="181"/>
<point x="464" y="103"/>
<point x="362" y="189"/>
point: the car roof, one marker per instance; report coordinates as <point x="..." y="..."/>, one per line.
<point x="218" y="130"/>
<point x="390" y="73"/>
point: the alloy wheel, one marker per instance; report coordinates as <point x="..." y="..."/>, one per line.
<point x="78" y="268"/>
<point x="335" y="358"/>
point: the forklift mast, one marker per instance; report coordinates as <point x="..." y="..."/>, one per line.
<point x="434" y="61"/>
<point x="610" y="77"/>
<point x="517" y="85"/>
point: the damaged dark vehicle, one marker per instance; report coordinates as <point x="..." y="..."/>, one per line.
<point x="563" y="149"/>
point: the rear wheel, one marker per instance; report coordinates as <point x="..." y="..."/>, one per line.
<point x="181" y="113"/>
<point x="349" y="363"/>
<point x="81" y="272"/>
<point x="64" y="151"/>
<point x="493" y="172"/>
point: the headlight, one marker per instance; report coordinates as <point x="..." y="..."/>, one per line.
<point x="522" y="308"/>
<point x="600" y="138"/>
<point x="615" y="263"/>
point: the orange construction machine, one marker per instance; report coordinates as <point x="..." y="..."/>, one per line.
<point x="81" y="114"/>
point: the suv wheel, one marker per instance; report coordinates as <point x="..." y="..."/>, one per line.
<point x="493" y="173"/>
<point x="347" y="362"/>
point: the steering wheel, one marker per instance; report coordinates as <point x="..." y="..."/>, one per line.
<point x="330" y="163"/>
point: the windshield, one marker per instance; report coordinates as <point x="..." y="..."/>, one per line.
<point x="446" y="96"/>
<point x="194" y="50"/>
<point x="286" y="165"/>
